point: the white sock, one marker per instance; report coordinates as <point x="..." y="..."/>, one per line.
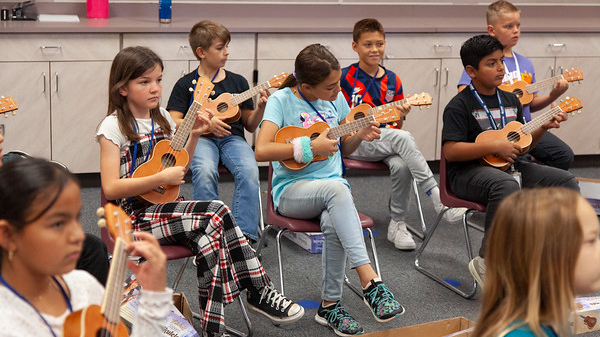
<point x="434" y="194"/>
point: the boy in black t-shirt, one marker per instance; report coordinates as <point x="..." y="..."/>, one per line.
<point x="471" y="112"/>
<point x="226" y="143"/>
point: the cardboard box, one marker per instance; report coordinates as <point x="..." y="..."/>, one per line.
<point x="311" y="242"/>
<point x="590" y="189"/>
<point x="182" y="304"/>
<point x="587" y="316"/>
<point x="452" y="327"/>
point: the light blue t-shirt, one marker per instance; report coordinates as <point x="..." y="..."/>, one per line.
<point x="525" y="331"/>
<point x="285" y="109"/>
<point x="527" y="74"/>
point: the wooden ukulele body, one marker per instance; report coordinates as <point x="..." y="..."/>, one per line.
<point x="163" y="156"/>
<point x="359" y="111"/>
<point x="518" y="88"/>
<point x="511" y="130"/>
<point x="222" y="107"/>
<point x="285" y="135"/>
<point x="90" y="322"/>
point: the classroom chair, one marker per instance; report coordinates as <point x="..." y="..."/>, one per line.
<point x="355" y="164"/>
<point x="449" y="200"/>
<point x="280" y="224"/>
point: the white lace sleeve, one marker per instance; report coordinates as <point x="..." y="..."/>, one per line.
<point x="152" y="313"/>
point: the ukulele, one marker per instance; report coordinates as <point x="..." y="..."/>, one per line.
<point x="8" y="104"/>
<point x="362" y="110"/>
<point x="227" y="105"/>
<point x="288" y="133"/>
<point x="105" y="320"/>
<point x="524" y="91"/>
<point x="168" y="153"/>
<point x="520" y="134"/>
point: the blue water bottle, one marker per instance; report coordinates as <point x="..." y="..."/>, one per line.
<point x="164" y="11"/>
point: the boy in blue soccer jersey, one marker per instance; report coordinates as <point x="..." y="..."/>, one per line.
<point x="369" y="82"/>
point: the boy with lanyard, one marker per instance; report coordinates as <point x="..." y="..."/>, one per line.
<point x="483" y="107"/>
<point x="226" y="142"/>
<point x="368" y="82"/>
<point x="504" y="23"/>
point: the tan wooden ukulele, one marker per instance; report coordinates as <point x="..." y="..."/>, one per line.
<point x="7" y="104"/>
<point x="524" y="90"/>
<point x="105" y="320"/>
<point x="168" y="153"/>
<point x="362" y="110"/>
<point x="288" y="133"/>
<point x="520" y="134"/>
<point x="227" y="105"/>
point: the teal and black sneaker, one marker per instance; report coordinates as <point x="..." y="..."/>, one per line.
<point x="337" y="318"/>
<point x="381" y="302"/>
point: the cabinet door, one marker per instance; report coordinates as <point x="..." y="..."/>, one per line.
<point x="544" y="68"/>
<point x="419" y="75"/>
<point x="28" y="130"/>
<point x="450" y="73"/>
<point x="79" y="103"/>
<point x="581" y="130"/>
<point x="173" y="71"/>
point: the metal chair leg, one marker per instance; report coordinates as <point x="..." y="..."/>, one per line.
<point x="180" y="273"/>
<point x="436" y="278"/>
<point x="232" y="331"/>
<point x="419" y="234"/>
<point x="358" y="290"/>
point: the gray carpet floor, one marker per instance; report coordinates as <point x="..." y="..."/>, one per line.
<point x="424" y="299"/>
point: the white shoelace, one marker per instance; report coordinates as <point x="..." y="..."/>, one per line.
<point x="274" y="297"/>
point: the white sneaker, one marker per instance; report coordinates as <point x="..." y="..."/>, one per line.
<point x="477" y="269"/>
<point x="403" y="239"/>
<point x="454" y="215"/>
<point x="392" y="229"/>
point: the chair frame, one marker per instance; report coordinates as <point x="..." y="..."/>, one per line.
<point x="311" y="225"/>
<point x="449" y="200"/>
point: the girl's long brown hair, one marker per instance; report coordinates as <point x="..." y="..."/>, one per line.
<point x="313" y="64"/>
<point x="129" y="64"/>
<point x="533" y="246"/>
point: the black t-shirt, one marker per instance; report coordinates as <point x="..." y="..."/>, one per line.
<point x="464" y="119"/>
<point x="233" y="83"/>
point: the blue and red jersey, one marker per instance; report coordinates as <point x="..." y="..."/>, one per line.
<point x="383" y="90"/>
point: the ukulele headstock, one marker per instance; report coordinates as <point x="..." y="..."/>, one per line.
<point x="388" y="115"/>
<point x="573" y="75"/>
<point x="570" y="105"/>
<point x="420" y="100"/>
<point x="116" y="220"/>
<point x="202" y="90"/>
<point x="277" y="80"/>
<point x="8" y="104"/>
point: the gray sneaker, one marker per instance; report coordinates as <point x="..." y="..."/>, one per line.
<point x="477" y="269"/>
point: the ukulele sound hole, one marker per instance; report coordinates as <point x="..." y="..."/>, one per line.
<point x="513" y="137"/>
<point x="222" y="107"/>
<point x="518" y="93"/>
<point x="314" y="136"/>
<point x="102" y="332"/>
<point x="167" y="160"/>
<point x="359" y="115"/>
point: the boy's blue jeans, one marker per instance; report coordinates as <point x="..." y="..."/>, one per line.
<point x="235" y="154"/>
<point x="332" y="201"/>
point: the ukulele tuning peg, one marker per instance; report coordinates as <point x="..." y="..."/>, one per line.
<point x="1" y="97"/>
<point x="14" y="113"/>
<point x="5" y="116"/>
<point x="212" y="92"/>
<point x="191" y="89"/>
<point x="194" y="81"/>
<point x="101" y="223"/>
<point x="100" y="211"/>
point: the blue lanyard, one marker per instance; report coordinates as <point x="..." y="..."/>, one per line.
<point x="354" y="84"/>
<point x="323" y="119"/>
<point x="62" y="290"/>
<point x="487" y="110"/>
<point x="135" y="147"/>
<point x="196" y="80"/>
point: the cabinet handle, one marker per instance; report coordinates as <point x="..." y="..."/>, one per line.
<point x="551" y="71"/>
<point x="56" y="74"/>
<point x="389" y="56"/>
<point x="44" y="77"/>
<point x="442" y="46"/>
<point x="437" y="75"/>
<point x="562" y="70"/>
<point x="447" y="71"/>
<point x="185" y="47"/>
<point x="557" y="45"/>
<point x="50" y="47"/>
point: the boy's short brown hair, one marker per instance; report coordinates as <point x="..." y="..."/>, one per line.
<point x="365" y="26"/>
<point x="205" y="32"/>
<point x="498" y="8"/>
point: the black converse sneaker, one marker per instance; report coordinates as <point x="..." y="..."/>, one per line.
<point x="269" y="302"/>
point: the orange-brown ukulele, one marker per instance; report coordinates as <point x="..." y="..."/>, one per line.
<point x="7" y="104"/>
<point x="288" y="133"/>
<point x="168" y="153"/>
<point x="227" y="105"/>
<point x="362" y="110"/>
<point x="105" y="320"/>
<point x="524" y="90"/>
<point x="520" y="134"/>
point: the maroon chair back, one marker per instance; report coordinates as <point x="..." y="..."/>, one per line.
<point x="448" y="198"/>
<point x="354" y="164"/>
